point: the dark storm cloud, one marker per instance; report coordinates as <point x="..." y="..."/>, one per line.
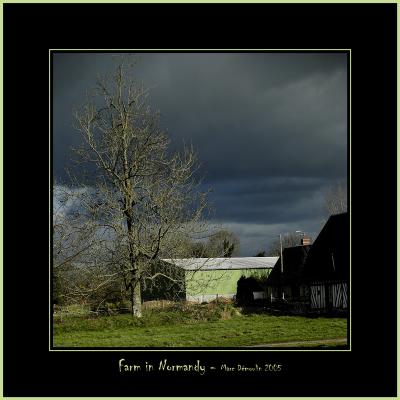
<point x="272" y="200"/>
<point x="270" y="129"/>
<point x="245" y="118"/>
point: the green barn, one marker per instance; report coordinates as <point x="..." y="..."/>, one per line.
<point x="209" y="278"/>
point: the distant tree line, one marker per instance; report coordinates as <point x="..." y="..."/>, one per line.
<point x="222" y="243"/>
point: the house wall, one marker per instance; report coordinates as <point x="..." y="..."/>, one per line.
<point x="206" y="285"/>
<point x="301" y="292"/>
<point x="330" y="295"/>
<point x="273" y="292"/>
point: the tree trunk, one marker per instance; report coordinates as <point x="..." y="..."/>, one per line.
<point x="136" y="299"/>
<point x="136" y="295"/>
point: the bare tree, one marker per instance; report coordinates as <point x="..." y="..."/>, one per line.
<point x="73" y="232"/>
<point x="72" y="238"/>
<point x="336" y="198"/>
<point x="80" y="270"/>
<point x="223" y="243"/>
<point x="144" y="197"/>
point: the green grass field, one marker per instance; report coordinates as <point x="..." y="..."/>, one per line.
<point x="196" y="326"/>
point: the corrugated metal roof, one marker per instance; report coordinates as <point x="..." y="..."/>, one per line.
<point x="193" y="264"/>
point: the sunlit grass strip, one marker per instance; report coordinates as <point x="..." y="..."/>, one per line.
<point x="120" y="331"/>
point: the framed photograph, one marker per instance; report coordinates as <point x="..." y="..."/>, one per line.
<point x="210" y="201"/>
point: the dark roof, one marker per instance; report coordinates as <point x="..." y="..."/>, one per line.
<point x="293" y="265"/>
<point x="328" y="258"/>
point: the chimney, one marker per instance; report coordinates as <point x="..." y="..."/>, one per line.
<point x="305" y="241"/>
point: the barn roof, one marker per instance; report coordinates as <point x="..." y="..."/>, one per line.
<point x="293" y="265"/>
<point x="209" y="264"/>
<point x="329" y="255"/>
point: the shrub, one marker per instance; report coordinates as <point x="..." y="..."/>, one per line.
<point x="173" y="314"/>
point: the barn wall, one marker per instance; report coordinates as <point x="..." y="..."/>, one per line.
<point x="221" y="282"/>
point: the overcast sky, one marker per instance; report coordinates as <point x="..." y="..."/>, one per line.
<point x="270" y="129"/>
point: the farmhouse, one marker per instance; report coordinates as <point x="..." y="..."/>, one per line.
<point x="327" y="268"/>
<point x="289" y="285"/>
<point x="209" y="278"/>
<point x="316" y="276"/>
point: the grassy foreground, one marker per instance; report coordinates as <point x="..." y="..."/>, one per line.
<point x="215" y="325"/>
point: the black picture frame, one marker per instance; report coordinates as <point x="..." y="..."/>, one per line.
<point x="368" y="30"/>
